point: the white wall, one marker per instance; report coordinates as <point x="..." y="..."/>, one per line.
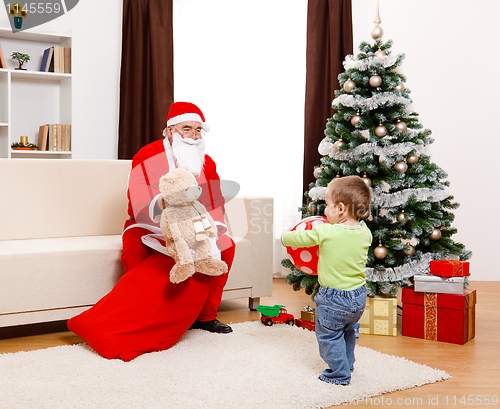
<point x="450" y="65"/>
<point x="452" y="72"/>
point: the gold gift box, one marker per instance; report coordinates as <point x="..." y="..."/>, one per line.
<point x="309" y="316"/>
<point x="380" y="316"/>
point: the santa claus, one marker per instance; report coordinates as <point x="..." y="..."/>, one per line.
<point x="145" y="311"/>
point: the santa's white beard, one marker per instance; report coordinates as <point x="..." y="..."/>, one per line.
<point x="189" y="152"/>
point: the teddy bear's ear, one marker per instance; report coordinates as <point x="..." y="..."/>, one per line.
<point x="163" y="184"/>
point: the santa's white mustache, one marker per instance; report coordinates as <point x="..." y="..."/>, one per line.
<point x="191" y="141"/>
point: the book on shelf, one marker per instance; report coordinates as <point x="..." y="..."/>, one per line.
<point x="55" y="62"/>
<point x="3" y="63"/>
<point x="43" y="137"/>
<point x="61" y="59"/>
<point x="66" y="137"/>
<point x="59" y="137"/>
<point x="67" y="60"/>
<point x="52" y="137"/>
<point x="46" y="59"/>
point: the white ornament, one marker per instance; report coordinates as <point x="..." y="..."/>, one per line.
<point x="401" y="167"/>
<point x="366" y="134"/>
<point x="385" y="187"/>
<point x="325" y="147"/>
<point x="377" y="32"/>
<point x="317" y="193"/>
<point x="349" y="85"/>
<point x="375" y="81"/>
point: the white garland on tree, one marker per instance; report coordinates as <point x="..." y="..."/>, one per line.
<point x="400" y="199"/>
<point x="382" y="100"/>
<point x="325" y="148"/>
<point x="389" y="200"/>
<point x="350" y="62"/>
<point x="401" y="272"/>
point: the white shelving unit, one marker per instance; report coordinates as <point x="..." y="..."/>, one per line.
<point x="31" y="98"/>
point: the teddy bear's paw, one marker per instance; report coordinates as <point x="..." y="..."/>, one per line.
<point x="210" y="266"/>
<point x="181" y="272"/>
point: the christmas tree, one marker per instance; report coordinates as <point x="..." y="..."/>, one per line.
<point x="374" y="134"/>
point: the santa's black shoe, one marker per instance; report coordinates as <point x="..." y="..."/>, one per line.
<point x="212" y="326"/>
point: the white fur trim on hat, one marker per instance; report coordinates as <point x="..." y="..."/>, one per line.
<point x="188" y="117"/>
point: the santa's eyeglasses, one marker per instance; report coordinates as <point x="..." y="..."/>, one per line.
<point x="188" y="131"/>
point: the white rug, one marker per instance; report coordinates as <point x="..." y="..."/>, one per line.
<point x="253" y="367"/>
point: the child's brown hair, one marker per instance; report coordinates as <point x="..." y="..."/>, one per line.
<point x="353" y="192"/>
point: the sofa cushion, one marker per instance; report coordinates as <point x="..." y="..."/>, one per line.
<point x="41" y="274"/>
<point x="62" y="198"/>
<point x="83" y="268"/>
<point x="243" y="263"/>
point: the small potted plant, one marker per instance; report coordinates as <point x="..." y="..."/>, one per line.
<point x="21" y="59"/>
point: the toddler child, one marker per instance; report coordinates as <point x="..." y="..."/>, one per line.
<point x="343" y="251"/>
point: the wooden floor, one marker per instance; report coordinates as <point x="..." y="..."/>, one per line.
<point x="475" y="366"/>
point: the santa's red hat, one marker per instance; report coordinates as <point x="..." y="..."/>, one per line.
<point x="185" y="111"/>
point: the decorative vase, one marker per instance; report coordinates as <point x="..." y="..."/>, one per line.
<point x="18" y="22"/>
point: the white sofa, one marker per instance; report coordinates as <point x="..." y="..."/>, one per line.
<point x="60" y="238"/>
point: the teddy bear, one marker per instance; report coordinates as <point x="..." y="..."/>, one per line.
<point x="187" y="227"/>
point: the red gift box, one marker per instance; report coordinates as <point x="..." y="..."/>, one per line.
<point x="449" y="268"/>
<point x="439" y="317"/>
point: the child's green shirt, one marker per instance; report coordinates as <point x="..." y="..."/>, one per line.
<point x="343" y="251"/>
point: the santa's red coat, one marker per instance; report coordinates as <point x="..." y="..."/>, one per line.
<point x="144" y="311"/>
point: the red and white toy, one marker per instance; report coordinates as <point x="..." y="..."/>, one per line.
<point x="306" y="258"/>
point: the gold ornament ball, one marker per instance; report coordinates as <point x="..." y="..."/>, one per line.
<point x="337" y="145"/>
<point x="401" y="126"/>
<point x="367" y="180"/>
<point x="381" y="131"/>
<point x="435" y="234"/>
<point x="312" y="207"/>
<point x="412" y="159"/>
<point x="400" y="87"/>
<point x="410" y="251"/>
<point x="355" y="119"/>
<point x="349" y="85"/>
<point x="402" y="217"/>
<point x="401" y="167"/>
<point x="380" y="252"/>
<point x="375" y="81"/>
<point x="317" y="172"/>
<point x="379" y="53"/>
<point x="377" y="32"/>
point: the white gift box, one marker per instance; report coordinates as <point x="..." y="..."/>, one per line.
<point x="435" y="284"/>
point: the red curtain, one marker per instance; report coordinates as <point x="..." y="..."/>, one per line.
<point x="329" y="40"/>
<point x="147" y="73"/>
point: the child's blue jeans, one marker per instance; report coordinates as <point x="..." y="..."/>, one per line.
<point x="336" y="313"/>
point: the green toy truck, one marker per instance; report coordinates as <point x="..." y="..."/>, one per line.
<point x="273" y="314"/>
